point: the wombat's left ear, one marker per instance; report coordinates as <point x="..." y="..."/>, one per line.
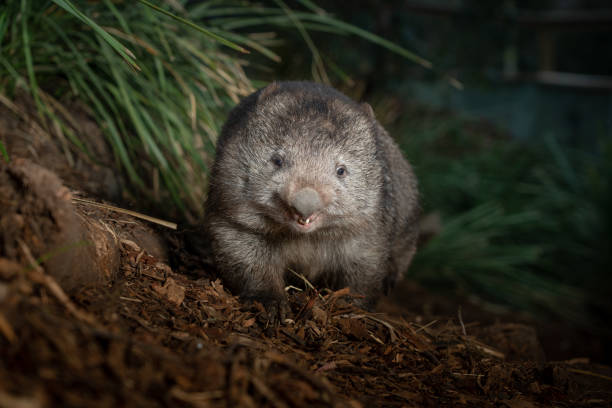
<point x="367" y="109"/>
<point x="265" y="92"/>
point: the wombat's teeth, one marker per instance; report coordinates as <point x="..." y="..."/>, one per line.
<point x="303" y="221"/>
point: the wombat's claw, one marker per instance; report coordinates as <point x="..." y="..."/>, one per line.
<point x="276" y="311"/>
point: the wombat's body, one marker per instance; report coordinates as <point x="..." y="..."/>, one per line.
<point x="306" y="179"/>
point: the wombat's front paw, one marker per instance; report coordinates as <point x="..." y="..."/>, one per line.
<point x="277" y="310"/>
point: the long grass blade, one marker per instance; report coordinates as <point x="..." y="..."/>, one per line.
<point x="196" y="27"/>
<point x="27" y="51"/>
<point x="318" y="67"/>
<point x="123" y="51"/>
<point x="4" y="153"/>
<point x="360" y="32"/>
<point x="3" y="24"/>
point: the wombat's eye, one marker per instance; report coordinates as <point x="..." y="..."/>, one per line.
<point x="277" y="160"/>
<point x="341" y="171"/>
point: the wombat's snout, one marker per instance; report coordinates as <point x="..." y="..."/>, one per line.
<point x="305" y="203"/>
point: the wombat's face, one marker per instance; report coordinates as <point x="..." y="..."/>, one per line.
<point x="303" y="163"/>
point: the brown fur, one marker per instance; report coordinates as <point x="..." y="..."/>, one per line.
<point x="277" y="158"/>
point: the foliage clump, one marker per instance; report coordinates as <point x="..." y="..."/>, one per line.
<point x="523" y="224"/>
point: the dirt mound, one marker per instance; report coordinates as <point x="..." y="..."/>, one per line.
<point x="38" y="221"/>
<point x="87" y="168"/>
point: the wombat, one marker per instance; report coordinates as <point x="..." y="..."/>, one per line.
<point x="306" y="180"/>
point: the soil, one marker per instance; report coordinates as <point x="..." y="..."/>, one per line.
<point x="134" y="317"/>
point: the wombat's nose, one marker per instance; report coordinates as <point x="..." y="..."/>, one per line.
<point x="306" y="202"/>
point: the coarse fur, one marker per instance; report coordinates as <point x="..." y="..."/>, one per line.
<point x="305" y="179"/>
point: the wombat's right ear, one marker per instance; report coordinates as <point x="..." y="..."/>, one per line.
<point x="367" y="109"/>
<point x="267" y="91"/>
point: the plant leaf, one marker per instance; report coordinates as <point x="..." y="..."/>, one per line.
<point x="122" y="50"/>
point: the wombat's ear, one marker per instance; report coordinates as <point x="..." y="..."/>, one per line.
<point x="367" y="109"/>
<point x="267" y="91"/>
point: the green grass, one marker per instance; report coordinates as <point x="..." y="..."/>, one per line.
<point x="158" y="79"/>
<point x="159" y="104"/>
<point x="525" y="225"/>
<point x="4" y="153"/>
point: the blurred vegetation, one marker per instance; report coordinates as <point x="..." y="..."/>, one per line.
<point x="526" y="225"/>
